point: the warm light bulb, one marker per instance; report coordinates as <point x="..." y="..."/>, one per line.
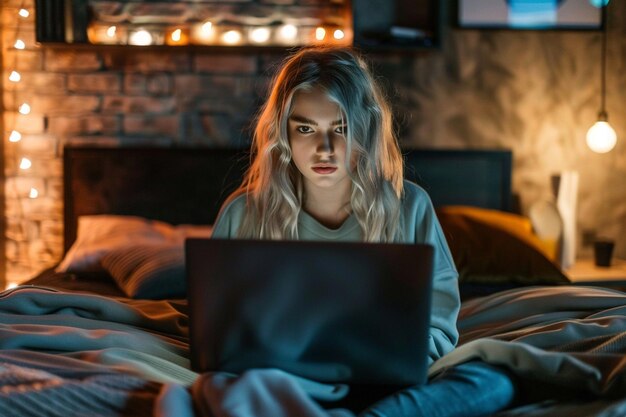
<point x="207" y="28"/>
<point x="288" y="32"/>
<point x="232" y="37"/>
<point x="202" y="33"/>
<point x="320" y="33"/>
<point x="176" y="34"/>
<point x="601" y="137"/>
<point x="11" y="285"/>
<point x="33" y="193"/>
<point x="25" y="163"/>
<point x="111" y="31"/>
<point x="19" y="44"/>
<point x="260" y="35"/>
<point x="24" y="13"/>
<point x="338" y="34"/>
<point x="24" y="108"/>
<point x="205" y="33"/>
<point x="15" y="77"/>
<point x="15" y="136"/>
<point x="141" y="38"/>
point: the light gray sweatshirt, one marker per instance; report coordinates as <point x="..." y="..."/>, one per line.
<point x="419" y="225"/>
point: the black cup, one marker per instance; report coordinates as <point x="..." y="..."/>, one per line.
<point x="603" y="250"/>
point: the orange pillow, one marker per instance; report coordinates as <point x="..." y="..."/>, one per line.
<point x="494" y="247"/>
<point x="519" y="226"/>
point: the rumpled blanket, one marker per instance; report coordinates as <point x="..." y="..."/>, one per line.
<point x="143" y="337"/>
<point x="565" y="343"/>
<point x="71" y="354"/>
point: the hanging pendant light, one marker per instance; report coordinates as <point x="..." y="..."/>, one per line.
<point x="601" y="137"/>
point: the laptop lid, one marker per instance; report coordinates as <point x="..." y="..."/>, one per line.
<point x="328" y="311"/>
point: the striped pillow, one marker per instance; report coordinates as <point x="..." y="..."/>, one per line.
<point x="99" y="234"/>
<point x="152" y="271"/>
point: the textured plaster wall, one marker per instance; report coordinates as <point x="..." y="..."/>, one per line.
<point x="535" y="93"/>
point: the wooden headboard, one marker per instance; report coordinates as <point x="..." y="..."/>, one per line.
<point x="188" y="185"/>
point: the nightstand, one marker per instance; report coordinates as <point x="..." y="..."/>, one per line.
<point x="585" y="272"/>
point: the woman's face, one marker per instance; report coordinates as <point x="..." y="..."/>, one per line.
<point x="316" y="137"/>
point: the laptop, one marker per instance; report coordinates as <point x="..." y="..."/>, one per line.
<point x="327" y="311"/>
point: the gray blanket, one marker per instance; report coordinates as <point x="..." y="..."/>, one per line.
<point x="72" y="354"/>
<point x="566" y="343"/>
<point x="69" y="354"/>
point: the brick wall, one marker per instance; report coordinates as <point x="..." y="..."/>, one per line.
<point x="111" y="97"/>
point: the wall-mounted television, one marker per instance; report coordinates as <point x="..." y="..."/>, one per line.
<point x="530" y="15"/>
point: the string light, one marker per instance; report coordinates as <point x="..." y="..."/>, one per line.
<point x="215" y="27"/>
<point x="15" y="77"/>
<point x="25" y="163"/>
<point x="320" y="33"/>
<point x="288" y="32"/>
<point x="207" y="28"/>
<point x="202" y="33"/>
<point x="15" y="136"/>
<point x="260" y="35"/>
<point x="231" y="37"/>
<point x="24" y="108"/>
<point x="141" y="38"/>
<point x="338" y="34"/>
<point x="176" y="35"/>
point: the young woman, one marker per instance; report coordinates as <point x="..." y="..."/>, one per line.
<point x="327" y="166"/>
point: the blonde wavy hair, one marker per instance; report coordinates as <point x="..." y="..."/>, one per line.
<point x="274" y="186"/>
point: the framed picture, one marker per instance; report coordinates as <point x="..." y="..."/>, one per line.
<point x="530" y="15"/>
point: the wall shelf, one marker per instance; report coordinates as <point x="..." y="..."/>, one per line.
<point x="378" y="25"/>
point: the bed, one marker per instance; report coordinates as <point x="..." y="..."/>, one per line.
<point x="105" y="332"/>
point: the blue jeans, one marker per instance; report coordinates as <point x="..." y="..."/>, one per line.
<point x="467" y="390"/>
